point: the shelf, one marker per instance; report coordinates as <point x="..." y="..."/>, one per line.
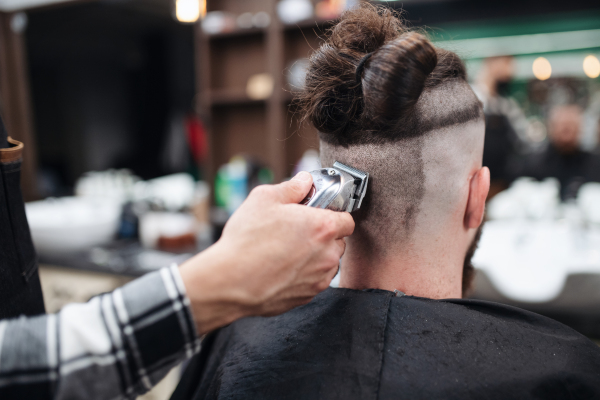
<point x="231" y="65"/>
<point x="237" y="33"/>
<point x="239" y="129"/>
<point x="306" y="24"/>
<point x="309" y="23"/>
<point x="269" y="129"/>
<point x="235" y="97"/>
<point x="224" y="97"/>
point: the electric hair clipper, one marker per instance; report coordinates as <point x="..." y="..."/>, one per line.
<point x="341" y="188"/>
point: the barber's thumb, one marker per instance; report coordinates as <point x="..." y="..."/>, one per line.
<point x="296" y="189"/>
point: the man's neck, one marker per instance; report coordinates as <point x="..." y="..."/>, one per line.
<point x="433" y="272"/>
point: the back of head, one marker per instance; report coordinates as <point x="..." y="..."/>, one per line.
<point x="386" y="101"/>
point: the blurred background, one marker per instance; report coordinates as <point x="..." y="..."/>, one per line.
<point x="147" y="122"/>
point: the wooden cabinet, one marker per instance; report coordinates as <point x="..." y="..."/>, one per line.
<point x="268" y="129"/>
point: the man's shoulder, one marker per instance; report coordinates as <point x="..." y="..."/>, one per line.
<point x="475" y="321"/>
<point x="326" y="322"/>
<point x="362" y="322"/>
<point x="338" y="314"/>
<point x="358" y="344"/>
<point x="470" y="311"/>
<point x="479" y="347"/>
<point x="329" y="348"/>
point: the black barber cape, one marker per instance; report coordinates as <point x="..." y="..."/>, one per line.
<point x="349" y="344"/>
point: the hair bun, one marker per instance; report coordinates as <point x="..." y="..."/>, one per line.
<point x="395" y="78"/>
<point x="392" y="80"/>
<point x="331" y="96"/>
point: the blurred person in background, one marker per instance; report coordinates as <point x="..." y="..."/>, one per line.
<point x="597" y="148"/>
<point x="504" y="119"/>
<point x="563" y="158"/>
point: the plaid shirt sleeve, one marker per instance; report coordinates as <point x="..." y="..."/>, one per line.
<point x="116" y="346"/>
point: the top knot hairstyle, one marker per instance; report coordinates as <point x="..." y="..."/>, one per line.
<point x="363" y="84"/>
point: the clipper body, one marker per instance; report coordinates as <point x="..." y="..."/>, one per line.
<point x="341" y="188"/>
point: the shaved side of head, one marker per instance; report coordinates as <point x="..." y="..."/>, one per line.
<point x="413" y="181"/>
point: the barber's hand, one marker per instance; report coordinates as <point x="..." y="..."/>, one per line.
<point x="274" y="255"/>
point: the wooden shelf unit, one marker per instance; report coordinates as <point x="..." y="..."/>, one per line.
<point x="267" y="130"/>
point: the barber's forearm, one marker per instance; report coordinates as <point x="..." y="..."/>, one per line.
<point x="274" y="255"/>
<point x="117" y="345"/>
<point x="217" y="291"/>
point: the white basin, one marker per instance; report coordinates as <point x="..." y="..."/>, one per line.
<point x="72" y="224"/>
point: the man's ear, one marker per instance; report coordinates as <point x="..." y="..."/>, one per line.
<point x="478" y="191"/>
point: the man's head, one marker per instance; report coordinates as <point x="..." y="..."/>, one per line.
<point x="409" y="119"/>
<point x="501" y="68"/>
<point x="496" y="73"/>
<point x="564" y="125"/>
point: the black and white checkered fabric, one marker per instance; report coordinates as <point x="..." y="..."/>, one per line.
<point x="116" y="346"/>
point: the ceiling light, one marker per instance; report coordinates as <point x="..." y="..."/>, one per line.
<point x="541" y="68"/>
<point x="189" y="11"/>
<point x="591" y="66"/>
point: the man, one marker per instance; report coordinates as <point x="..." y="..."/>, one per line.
<point x="274" y="255"/>
<point x="563" y="158"/>
<point x="387" y="102"/>
<point x="505" y="123"/>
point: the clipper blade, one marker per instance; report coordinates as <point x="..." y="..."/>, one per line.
<point x="361" y="179"/>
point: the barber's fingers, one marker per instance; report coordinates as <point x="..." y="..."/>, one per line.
<point x="342" y="223"/>
<point x="340" y="245"/>
<point x="332" y="268"/>
<point x="329" y="225"/>
<point x="335" y="251"/>
<point x="294" y="190"/>
<point x="331" y="274"/>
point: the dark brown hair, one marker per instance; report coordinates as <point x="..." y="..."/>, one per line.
<point x="377" y="104"/>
